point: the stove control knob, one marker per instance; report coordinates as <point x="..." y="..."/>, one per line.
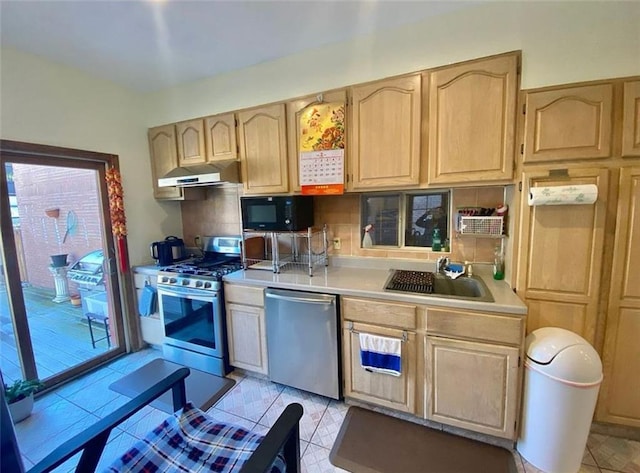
<point x="185" y="282"/>
<point x="207" y="285"/>
<point x="172" y="281"/>
<point x="198" y="283"/>
<point x="164" y="279"/>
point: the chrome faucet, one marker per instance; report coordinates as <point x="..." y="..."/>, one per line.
<point x="441" y="263"/>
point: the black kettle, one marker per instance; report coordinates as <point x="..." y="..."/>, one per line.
<point x="169" y="251"/>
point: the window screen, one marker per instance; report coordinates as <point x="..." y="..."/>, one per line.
<point x="424" y="213"/>
<point x="381" y="211"/>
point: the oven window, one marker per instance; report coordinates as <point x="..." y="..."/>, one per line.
<point x="189" y="320"/>
<point x="262" y="213"/>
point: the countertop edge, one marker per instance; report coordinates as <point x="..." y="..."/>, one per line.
<point x="506" y="303"/>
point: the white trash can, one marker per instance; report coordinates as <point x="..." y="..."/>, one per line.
<point x="561" y="381"/>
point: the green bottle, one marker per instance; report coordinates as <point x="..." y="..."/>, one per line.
<point x="436" y="243"/>
<point x="498" y="263"/>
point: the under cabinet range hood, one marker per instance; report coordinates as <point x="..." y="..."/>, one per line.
<point x="201" y="175"/>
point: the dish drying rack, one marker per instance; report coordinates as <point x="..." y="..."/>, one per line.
<point x="481" y="226"/>
<point x="290" y="250"/>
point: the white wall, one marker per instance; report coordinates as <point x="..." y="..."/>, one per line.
<point x="46" y="103"/>
<point x="561" y="42"/>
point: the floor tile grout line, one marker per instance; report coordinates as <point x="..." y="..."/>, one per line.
<point x="272" y="403"/>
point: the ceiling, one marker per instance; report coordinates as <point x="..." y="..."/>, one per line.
<point x="148" y="45"/>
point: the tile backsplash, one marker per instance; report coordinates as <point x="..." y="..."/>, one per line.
<point x="219" y="214"/>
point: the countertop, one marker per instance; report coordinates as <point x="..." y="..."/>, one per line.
<point x="369" y="279"/>
<point x="150" y="269"/>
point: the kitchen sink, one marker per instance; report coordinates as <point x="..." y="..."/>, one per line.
<point x="438" y="285"/>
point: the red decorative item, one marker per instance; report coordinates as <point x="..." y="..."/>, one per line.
<point x="116" y="210"/>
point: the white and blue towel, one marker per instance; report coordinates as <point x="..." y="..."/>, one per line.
<point x="381" y="354"/>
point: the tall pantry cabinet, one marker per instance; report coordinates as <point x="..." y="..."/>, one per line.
<point x="577" y="265"/>
<point x="561" y="254"/>
<point x="620" y="391"/>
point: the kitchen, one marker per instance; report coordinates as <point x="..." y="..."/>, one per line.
<point x="220" y="214"/>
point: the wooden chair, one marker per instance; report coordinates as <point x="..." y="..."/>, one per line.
<point x="281" y="445"/>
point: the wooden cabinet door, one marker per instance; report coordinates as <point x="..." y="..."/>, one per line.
<point x="631" y="119"/>
<point x="472" y="110"/>
<point x="560" y="255"/>
<point x="395" y="392"/>
<point x="263" y="150"/>
<point x="568" y="123"/>
<point x="619" y="400"/>
<point x="246" y="337"/>
<point x="385" y="134"/>
<point x="294" y="111"/>
<point x="164" y="158"/>
<point x="190" y="136"/>
<point x="220" y="137"/>
<point x="472" y="385"/>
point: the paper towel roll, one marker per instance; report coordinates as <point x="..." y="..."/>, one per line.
<point x="563" y="195"/>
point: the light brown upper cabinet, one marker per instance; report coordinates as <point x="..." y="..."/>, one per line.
<point x="295" y="109"/>
<point x="619" y="400"/>
<point x="263" y="149"/>
<point x="190" y="137"/>
<point x="560" y="255"/>
<point x="568" y="123"/>
<point x="631" y="119"/>
<point x="472" y="120"/>
<point x="206" y="140"/>
<point x="164" y="158"/>
<point x="220" y="137"/>
<point x="384" y="134"/>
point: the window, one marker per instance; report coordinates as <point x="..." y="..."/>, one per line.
<point x="418" y="214"/>
<point x="382" y="211"/>
<point x="425" y="212"/>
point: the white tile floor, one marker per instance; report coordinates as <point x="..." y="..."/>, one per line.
<point x="252" y="403"/>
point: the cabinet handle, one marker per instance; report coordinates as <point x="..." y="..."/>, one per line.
<point x="352" y="330"/>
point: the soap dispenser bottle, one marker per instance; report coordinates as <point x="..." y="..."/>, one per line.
<point x="436" y="242"/>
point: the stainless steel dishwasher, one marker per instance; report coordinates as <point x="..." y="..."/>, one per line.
<point x="302" y="340"/>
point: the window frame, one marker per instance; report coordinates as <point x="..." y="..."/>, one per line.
<point x="403" y="202"/>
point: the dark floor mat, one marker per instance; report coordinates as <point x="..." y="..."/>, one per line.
<point x="370" y="442"/>
<point x="203" y="389"/>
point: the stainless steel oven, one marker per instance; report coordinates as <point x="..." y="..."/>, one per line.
<point x="194" y="328"/>
<point x="192" y="309"/>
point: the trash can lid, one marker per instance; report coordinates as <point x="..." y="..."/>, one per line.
<point x="564" y="355"/>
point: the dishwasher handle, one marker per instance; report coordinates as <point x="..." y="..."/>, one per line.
<point x="310" y="300"/>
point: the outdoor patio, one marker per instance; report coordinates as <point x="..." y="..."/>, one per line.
<point x="59" y="334"/>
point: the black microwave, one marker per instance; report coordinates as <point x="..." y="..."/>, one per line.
<point x="286" y="213"/>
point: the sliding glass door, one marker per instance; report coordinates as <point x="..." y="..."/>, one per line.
<point x="60" y="308"/>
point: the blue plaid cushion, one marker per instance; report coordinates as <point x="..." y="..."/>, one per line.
<point x="190" y="441"/>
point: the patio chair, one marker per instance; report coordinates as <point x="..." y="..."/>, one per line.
<point x="187" y="441"/>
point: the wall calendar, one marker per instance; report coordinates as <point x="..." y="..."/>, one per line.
<point x="321" y="161"/>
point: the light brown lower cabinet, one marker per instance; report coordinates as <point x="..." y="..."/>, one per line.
<point x="246" y="331"/>
<point x="150" y="327"/>
<point x="395" y="392"/>
<point x="472" y="385"/>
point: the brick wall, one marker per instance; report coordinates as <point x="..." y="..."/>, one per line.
<point x="39" y="188"/>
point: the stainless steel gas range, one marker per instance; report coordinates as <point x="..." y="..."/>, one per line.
<point x="192" y="309"/>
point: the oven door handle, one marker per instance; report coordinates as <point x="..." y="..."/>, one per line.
<point x="186" y="292"/>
